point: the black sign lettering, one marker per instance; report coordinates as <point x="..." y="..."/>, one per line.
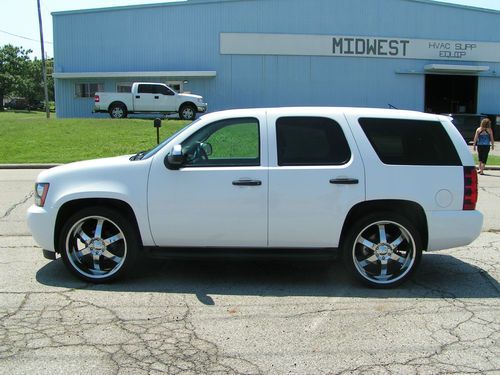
<point x="369" y="47"/>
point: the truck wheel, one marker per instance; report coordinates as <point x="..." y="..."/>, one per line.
<point x="117" y="110"/>
<point x="98" y="244"/>
<point x="187" y="112"/>
<point x="382" y="250"/>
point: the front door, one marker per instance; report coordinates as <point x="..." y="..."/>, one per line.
<point x="154" y="98"/>
<point x="219" y="196"/>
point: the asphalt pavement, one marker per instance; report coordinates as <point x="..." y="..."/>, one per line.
<point x="248" y="316"/>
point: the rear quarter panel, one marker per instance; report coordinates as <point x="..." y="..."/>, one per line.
<point x="432" y="187"/>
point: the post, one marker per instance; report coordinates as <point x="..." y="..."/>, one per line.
<point x="157" y="125"/>
<point x="44" y="69"/>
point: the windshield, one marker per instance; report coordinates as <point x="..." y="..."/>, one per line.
<point x="149" y="153"/>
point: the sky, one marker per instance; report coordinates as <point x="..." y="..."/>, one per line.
<point x="19" y="18"/>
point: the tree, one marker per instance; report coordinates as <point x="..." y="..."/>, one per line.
<point x="30" y="85"/>
<point x="14" y="67"/>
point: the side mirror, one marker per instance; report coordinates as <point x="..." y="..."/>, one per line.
<point x="175" y="159"/>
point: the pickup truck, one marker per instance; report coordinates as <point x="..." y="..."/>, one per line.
<point x="375" y="187"/>
<point x="149" y="97"/>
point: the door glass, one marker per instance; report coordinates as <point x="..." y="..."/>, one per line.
<point x="311" y="141"/>
<point x="232" y="142"/>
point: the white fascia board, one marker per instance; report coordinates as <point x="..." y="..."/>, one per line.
<point x="74" y="75"/>
<point x="456" y="68"/>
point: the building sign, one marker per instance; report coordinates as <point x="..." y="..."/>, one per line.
<point x="357" y="46"/>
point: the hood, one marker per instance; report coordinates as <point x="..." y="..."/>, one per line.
<point x="86" y="167"/>
<point x="190" y="96"/>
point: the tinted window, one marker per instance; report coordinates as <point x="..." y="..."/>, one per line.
<point x="154" y="89"/>
<point x="410" y="142"/>
<point x="232" y="142"/>
<point x="311" y="141"/>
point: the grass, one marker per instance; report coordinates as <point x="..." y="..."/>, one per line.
<point x="29" y="137"/>
<point x="492" y="160"/>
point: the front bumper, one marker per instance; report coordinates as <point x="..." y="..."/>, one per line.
<point x="41" y="226"/>
<point x="201" y="108"/>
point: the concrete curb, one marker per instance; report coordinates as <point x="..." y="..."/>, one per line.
<point x="28" y="166"/>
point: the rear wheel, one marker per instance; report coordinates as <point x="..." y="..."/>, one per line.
<point x="118" y="110"/>
<point x="187" y="112"/>
<point x="382" y="250"/>
<point x="98" y="244"/>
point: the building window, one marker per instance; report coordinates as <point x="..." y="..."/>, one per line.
<point x="124" y="87"/>
<point x="175" y="85"/>
<point x="87" y="90"/>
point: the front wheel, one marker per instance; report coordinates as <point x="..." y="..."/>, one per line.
<point x="382" y="250"/>
<point x="187" y="112"/>
<point x="98" y="244"/>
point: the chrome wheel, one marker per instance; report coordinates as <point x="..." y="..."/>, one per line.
<point x="96" y="247"/>
<point x="384" y="252"/>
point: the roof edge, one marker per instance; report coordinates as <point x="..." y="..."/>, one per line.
<point x="200" y="2"/>
<point x="131" y="74"/>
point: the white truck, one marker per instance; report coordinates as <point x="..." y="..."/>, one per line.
<point x="148" y="97"/>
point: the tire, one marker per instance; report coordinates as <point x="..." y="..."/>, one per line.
<point x="118" y="110"/>
<point x="382" y="250"/>
<point x="98" y="244"/>
<point x="187" y="112"/>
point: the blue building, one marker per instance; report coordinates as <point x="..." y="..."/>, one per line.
<point x="410" y="54"/>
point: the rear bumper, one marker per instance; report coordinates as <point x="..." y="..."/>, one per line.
<point x="448" y="229"/>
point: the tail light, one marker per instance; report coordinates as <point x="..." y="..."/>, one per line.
<point x="96" y="99"/>
<point x="470" y="188"/>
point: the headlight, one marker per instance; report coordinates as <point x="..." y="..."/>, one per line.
<point x="41" y="190"/>
<point x="200" y="100"/>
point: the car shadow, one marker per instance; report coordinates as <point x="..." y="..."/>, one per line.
<point x="439" y="276"/>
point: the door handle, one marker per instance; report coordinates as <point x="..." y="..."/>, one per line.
<point x="344" y="181"/>
<point x="157" y="97"/>
<point x="137" y="96"/>
<point x="247" y="182"/>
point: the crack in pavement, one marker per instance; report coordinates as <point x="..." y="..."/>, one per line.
<point x="164" y="342"/>
<point x="15" y="205"/>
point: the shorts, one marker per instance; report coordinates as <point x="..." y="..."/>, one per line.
<point x="482" y="153"/>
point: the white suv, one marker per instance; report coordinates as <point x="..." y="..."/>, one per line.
<point x="377" y="186"/>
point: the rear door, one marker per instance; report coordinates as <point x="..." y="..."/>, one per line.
<point x="316" y="175"/>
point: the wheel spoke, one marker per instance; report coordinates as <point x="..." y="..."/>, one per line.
<point x="383" y="271"/>
<point x="109" y="255"/>
<point x="398" y="258"/>
<point x="97" y="266"/>
<point x="366" y="243"/>
<point x="367" y="261"/>
<point x="83" y="236"/>
<point x="98" y="228"/>
<point x="397" y="242"/>
<point x="382" y="233"/>
<point x="113" y="239"/>
<point x="81" y="253"/>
